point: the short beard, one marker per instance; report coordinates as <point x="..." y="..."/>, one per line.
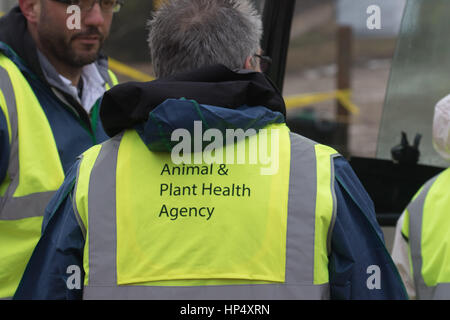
<point x="82" y="60"/>
<point x="54" y="43"/>
<point x="63" y="51"/>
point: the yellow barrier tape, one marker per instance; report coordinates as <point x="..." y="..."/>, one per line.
<point x="157" y="4"/>
<point x="1" y="13"/>
<point x="344" y="97"/>
<point x="303" y="100"/>
<point x="123" y="69"/>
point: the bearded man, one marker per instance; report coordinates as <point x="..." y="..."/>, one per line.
<point x="51" y="80"/>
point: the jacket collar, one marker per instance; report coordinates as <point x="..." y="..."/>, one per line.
<point x="130" y="104"/>
<point x="196" y="119"/>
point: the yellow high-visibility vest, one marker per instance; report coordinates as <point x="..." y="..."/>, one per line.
<point x="427" y="225"/>
<point x="157" y="230"/>
<point x="34" y="174"/>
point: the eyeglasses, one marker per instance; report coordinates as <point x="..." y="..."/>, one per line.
<point x="107" y="6"/>
<point x="264" y="63"/>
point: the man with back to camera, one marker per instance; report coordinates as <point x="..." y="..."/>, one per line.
<point x="51" y="79"/>
<point x="147" y="222"/>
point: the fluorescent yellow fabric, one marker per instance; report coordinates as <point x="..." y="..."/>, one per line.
<point x="249" y="221"/>
<point x="40" y="171"/>
<point x="81" y="197"/>
<point x="5" y="183"/>
<point x="39" y="163"/>
<point x="18" y="239"/>
<point x="324" y="211"/>
<point x="4" y="109"/>
<point x="435" y="232"/>
<point x="151" y="242"/>
<point x="405" y="229"/>
<point x="113" y="79"/>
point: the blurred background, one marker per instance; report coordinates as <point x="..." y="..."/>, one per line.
<point x="311" y="64"/>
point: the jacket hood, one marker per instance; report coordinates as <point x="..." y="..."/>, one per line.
<point x="217" y="96"/>
<point x="196" y="119"/>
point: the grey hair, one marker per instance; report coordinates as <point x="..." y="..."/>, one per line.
<point x="190" y="34"/>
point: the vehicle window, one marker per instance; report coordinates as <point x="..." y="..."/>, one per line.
<point x="312" y="71"/>
<point x="419" y="78"/>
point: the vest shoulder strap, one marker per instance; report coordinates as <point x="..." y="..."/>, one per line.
<point x="29" y="187"/>
<point x="7" y="96"/>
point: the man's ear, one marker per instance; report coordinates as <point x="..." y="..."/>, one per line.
<point x="249" y="63"/>
<point x="31" y="9"/>
<point x="252" y="64"/>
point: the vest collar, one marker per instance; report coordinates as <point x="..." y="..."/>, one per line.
<point x="197" y="118"/>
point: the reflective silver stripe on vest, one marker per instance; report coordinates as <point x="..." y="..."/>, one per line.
<point x="300" y="238"/>
<point x="234" y="292"/>
<point x="15" y="208"/>
<point x="8" y="93"/>
<point x="10" y="99"/>
<point x="415" y="209"/>
<point x="301" y="227"/>
<point x="29" y="206"/>
<point x="102" y="216"/>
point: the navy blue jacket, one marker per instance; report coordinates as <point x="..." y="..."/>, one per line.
<point x="357" y="241"/>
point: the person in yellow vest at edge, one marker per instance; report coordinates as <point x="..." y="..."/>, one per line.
<point x="203" y="193"/>
<point x="51" y="80"/>
<point x="420" y="248"/>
